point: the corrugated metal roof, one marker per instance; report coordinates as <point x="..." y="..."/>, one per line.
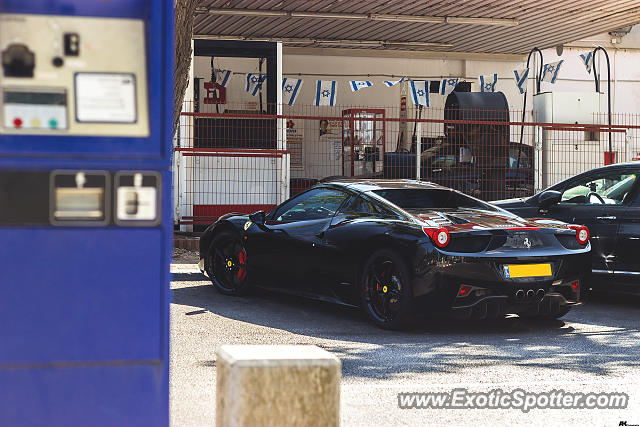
<point x="541" y="23"/>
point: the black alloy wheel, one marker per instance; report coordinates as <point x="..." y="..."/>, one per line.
<point x="226" y="264"/>
<point x="385" y="291"/>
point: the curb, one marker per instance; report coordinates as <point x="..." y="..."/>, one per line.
<point x="188" y="243"/>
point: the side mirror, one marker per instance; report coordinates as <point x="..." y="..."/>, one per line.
<point x="258" y="217"/>
<point x="549" y="198"/>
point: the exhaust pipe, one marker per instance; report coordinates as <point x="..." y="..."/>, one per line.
<point x="530" y="293"/>
<point x="520" y="294"/>
<point x="540" y="294"/>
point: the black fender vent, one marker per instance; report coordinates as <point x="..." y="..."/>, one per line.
<point x="569" y="241"/>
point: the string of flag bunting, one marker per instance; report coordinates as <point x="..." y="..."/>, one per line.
<point x="326" y="90"/>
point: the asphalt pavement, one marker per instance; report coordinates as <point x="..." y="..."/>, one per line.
<point x="594" y="348"/>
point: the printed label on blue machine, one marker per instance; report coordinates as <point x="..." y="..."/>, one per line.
<point x="105" y="97"/>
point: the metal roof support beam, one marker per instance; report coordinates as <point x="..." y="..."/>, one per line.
<point x="302" y="40"/>
<point x="468" y="20"/>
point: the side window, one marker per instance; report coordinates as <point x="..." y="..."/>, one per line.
<point x="445" y="161"/>
<point x="636" y="199"/>
<point x="513" y="159"/>
<point x="359" y="206"/>
<point x="609" y="188"/>
<point x="319" y="203"/>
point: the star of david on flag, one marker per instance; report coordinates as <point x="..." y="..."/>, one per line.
<point x="587" y="60"/>
<point x="419" y="92"/>
<point x="290" y="90"/>
<point x="550" y="71"/>
<point x="326" y="92"/>
<point x="521" y="79"/>
<point x="488" y="82"/>
<point x="223" y="77"/>
<point x="390" y="83"/>
<point x="356" y="85"/>
<point x="448" y="85"/>
<point x="254" y="81"/>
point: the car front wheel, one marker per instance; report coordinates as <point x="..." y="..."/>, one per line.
<point x="226" y="264"/>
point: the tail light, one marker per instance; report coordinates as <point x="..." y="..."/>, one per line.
<point x="575" y="285"/>
<point x="464" y="290"/>
<point x="439" y="236"/>
<point x="582" y="233"/>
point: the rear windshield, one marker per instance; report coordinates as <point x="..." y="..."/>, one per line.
<point x="417" y="198"/>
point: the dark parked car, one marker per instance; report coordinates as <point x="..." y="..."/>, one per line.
<point x="400" y="248"/>
<point x="607" y="201"/>
<point x="442" y="164"/>
<point x="475" y="153"/>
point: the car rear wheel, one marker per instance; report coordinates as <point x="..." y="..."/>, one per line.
<point x="385" y="291"/>
<point x="226" y="264"/>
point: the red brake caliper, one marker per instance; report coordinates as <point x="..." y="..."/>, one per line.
<point x="378" y="285"/>
<point x="242" y="261"/>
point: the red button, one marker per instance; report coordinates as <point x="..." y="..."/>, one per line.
<point x="17" y="122"/>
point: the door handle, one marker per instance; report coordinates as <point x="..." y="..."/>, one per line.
<point x="607" y="218"/>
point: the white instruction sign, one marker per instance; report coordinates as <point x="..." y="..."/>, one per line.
<point x="105" y="97"/>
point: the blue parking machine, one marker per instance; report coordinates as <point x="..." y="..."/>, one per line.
<point x="85" y="211"/>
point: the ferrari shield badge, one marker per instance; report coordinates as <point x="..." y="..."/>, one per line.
<point x="247" y="225"/>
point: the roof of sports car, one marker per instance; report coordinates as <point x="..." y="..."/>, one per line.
<point x="360" y="184"/>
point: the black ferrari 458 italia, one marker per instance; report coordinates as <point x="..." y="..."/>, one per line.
<point x="399" y="249"/>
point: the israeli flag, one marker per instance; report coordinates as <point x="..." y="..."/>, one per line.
<point x="326" y="92"/>
<point x="254" y="81"/>
<point x="448" y="85"/>
<point x="223" y="77"/>
<point x="488" y="82"/>
<point x="587" y="60"/>
<point x="419" y="92"/>
<point x="550" y="71"/>
<point x="359" y="84"/>
<point x="290" y="90"/>
<point x="521" y="79"/>
<point x="390" y="83"/>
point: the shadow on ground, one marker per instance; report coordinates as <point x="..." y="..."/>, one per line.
<point x="597" y="338"/>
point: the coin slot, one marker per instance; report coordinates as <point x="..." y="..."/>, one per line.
<point x="131" y="203"/>
<point x="71" y="44"/>
<point x="137" y="198"/>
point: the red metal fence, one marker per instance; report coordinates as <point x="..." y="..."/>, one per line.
<point x="237" y="159"/>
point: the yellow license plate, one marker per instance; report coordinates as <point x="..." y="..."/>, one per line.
<point x="526" y="270"/>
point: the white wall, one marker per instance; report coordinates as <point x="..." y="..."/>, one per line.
<point x="357" y="68"/>
<point x="625" y="88"/>
<point x="320" y="156"/>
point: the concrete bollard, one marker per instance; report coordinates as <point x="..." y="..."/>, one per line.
<point x="277" y="385"/>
